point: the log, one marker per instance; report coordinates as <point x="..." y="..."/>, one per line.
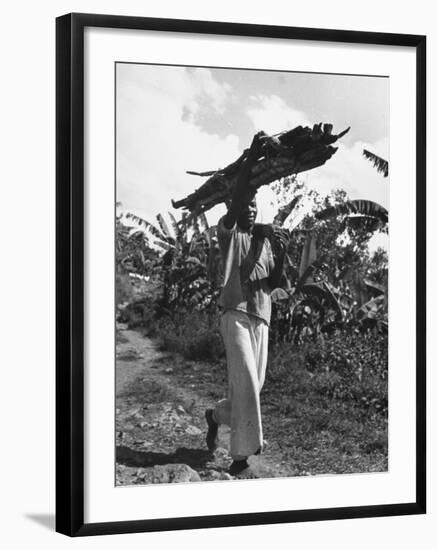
<point x="285" y="154"/>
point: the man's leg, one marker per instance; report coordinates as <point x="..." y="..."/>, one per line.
<point x="241" y="410"/>
<point x="221" y="414"/>
<point x="242" y="407"/>
<point x="212" y="434"/>
<point x="222" y="411"/>
<point x="259" y="335"/>
<point x="262" y="344"/>
<point x="262" y="341"/>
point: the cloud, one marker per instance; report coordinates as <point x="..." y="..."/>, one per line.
<point x="159" y="136"/>
<point x="273" y="115"/>
<point x="349" y="170"/>
<point x="208" y="90"/>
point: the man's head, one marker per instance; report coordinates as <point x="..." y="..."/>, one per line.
<point x="247" y="217"/>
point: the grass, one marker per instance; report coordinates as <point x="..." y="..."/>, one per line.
<point x="327" y="422"/>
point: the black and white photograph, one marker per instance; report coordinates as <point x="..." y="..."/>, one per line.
<point x="216" y="275"/>
<point x="251" y="276"/>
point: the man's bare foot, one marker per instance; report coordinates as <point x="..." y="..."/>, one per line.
<point x="262" y="448"/>
<point x="242" y="470"/>
<point x="212" y="434"/>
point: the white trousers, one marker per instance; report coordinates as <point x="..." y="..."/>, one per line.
<point x="246" y="343"/>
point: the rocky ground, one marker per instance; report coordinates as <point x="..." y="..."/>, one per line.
<point x="160" y="422"/>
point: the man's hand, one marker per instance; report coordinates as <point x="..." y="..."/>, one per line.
<point x="281" y="240"/>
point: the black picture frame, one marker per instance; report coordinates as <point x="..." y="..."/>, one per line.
<point x="70" y="273"/>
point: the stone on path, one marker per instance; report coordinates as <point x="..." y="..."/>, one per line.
<point x="193" y="430"/>
<point x="219" y="476"/>
<point x="168" y="473"/>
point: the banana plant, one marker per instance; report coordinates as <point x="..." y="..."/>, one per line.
<point x="189" y="258"/>
<point x="358" y="210"/>
<point x="379" y="163"/>
<point x="133" y="253"/>
<point x="308" y="304"/>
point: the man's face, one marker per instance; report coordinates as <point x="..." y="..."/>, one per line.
<point x="247" y="217"/>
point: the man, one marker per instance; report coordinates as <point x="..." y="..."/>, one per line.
<point x="251" y="272"/>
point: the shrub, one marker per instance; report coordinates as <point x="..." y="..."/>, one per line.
<point x="194" y="334"/>
<point x="350" y="354"/>
<point x="348" y="367"/>
<point x="124" y="291"/>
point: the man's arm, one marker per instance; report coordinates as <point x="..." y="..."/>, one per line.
<point x="242" y="194"/>
<point x="282" y="238"/>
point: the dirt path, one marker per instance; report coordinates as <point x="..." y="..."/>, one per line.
<point x="160" y="406"/>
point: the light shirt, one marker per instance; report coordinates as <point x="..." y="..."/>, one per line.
<point x="248" y="263"/>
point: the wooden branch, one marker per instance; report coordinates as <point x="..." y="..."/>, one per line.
<point x="291" y="152"/>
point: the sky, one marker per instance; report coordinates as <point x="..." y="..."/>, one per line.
<point x="170" y="119"/>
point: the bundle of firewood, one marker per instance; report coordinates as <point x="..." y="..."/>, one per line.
<point x="285" y="154"/>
